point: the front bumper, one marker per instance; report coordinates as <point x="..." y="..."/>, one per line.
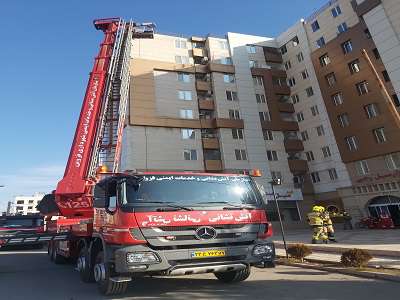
<point x="181" y="262"/>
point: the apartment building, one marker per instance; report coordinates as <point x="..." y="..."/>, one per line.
<point x="24" y="205"/>
<point x="242" y="102"/>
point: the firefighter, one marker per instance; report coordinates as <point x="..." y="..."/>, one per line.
<point x="328" y="225"/>
<point x="316" y="221"/>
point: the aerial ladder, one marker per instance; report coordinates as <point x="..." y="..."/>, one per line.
<point x="96" y="147"/>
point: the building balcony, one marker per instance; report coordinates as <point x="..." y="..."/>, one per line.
<point x="298" y="166"/>
<point x="207" y="123"/>
<point x="229" y="123"/>
<point x="272" y="55"/>
<point x="286" y="107"/>
<point x="292" y="145"/>
<point x="221" y="68"/>
<point x="203" y="85"/>
<point x="210" y="143"/>
<point x="213" y="165"/>
<point x="199" y="52"/>
<point x="278" y="73"/>
<point x="206" y="104"/>
<point x="281" y="89"/>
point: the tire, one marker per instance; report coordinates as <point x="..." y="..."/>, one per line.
<point x="233" y="276"/>
<point x="86" y="273"/>
<point x="107" y="287"/>
<point x="57" y="258"/>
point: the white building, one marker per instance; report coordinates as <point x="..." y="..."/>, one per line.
<point x="24" y="205"/>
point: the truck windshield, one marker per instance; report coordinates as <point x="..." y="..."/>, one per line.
<point x="19" y="222"/>
<point x="196" y="190"/>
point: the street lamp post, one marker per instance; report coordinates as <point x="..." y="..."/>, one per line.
<point x="277" y="181"/>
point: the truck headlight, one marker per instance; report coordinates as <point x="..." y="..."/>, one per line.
<point x="262" y="250"/>
<point x="142" y="257"/>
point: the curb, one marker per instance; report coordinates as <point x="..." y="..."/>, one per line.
<point x="363" y="274"/>
<point x="339" y="250"/>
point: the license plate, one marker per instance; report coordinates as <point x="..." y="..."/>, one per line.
<point x="209" y="253"/>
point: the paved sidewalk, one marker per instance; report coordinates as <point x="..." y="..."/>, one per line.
<point x="383" y="245"/>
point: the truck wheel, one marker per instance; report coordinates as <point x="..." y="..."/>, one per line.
<point x="233" y="276"/>
<point x="102" y="276"/>
<point x="55" y="257"/>
<point x="84" y="267"/>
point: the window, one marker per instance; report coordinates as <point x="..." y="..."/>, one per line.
<point x="379" y="134"/>
<point x="264" y="116"/>
<point x="310" y="156"/>
<point x="347" y="47"/>
<point x="181" y="59"/>
<point x="184" y="77"/>
<point x="30" y="207"/>
<point x="304" y="74"/>
<point x="337" y="99"/>
<point x="320" y="42"/>
<point x="258" y="80"/>
<point x="315" y="177"/>
<point x="283" y="49"/>
<point x="223" y="45"/>
<point x="362" y="167"/>
<point x="291" y="81"/>
<point x="186" y="114"/>
<point x="314" y="26"/>
<point x="300" y="117"/>
<point x="376" y="53"/>
<point x="260" y="98"/>
<point x="226" y="61"/>
<point x="326" y="152"/>
<point x="272" y="155"/>
<point x="288" y="65"/>
<point x="314" y="110"/>
<point x="30" y="201"/>
<point x="393" y="161"/>
<point x="371" y="110"/>
<point x="180" y="44"/>
<point x="190" y="154"/>
<point x="229" y="78"/>
<point x="342" y="27"/>
<point x="336" y="11"/>
<point x="237" y="134"/>
<point x="386" y="76"/>
<point x="234" y="114"/>
<point x="324" y="60"/>
<point x="304" y="136"/>
<point x="231" y="96"/>
<point x="188" y="134"/>
<point x="354" y="66"/>
<point x="251" y="49"/>
<point x="295" y="41"/>
<point x="396" y="100"/>
<point x="295" y="99"/>
<point x="343" y="120"/>
<point x="362" y="87"/>
<point x="333" y="174"/>
<point x="253" y="64"/>
<point x="20" y="202"/>
<point x="268" y="135"/>
<point x="300" y="57"/>
<point x="309" y="91"/>
<point x="240" y="154"/>
<point x="185" y="95"/>
<point x="331" y="79"/>
<point x="320" y="130"/>
<point x="367" y="33"/>
<point x="351" y="142"/>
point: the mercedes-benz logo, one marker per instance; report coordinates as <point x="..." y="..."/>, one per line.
<point x="206" y="233"/>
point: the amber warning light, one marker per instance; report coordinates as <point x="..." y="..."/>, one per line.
<point x="102" y="169"/>
<point x="256" y="173"/>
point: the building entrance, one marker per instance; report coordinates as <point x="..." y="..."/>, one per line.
<point x="385" y="206"/>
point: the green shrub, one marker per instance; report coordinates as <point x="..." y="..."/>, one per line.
<point x="355" y="258"/>
<point x="299" y="251"/>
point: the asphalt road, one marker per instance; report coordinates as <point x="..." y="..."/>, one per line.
<point x="29" y="275"/>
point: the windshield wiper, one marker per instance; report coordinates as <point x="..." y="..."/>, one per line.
<point x="169" y="204"/>
<point x="231" y="205"/>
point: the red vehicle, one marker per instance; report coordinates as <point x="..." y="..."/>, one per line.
<point x="17" y="226"/>
<point x="119" y="225"/>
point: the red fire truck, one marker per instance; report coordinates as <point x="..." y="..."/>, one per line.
<point x="119" y="225"/>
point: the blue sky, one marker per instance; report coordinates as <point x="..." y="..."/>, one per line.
<point x="47" y="51"/>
